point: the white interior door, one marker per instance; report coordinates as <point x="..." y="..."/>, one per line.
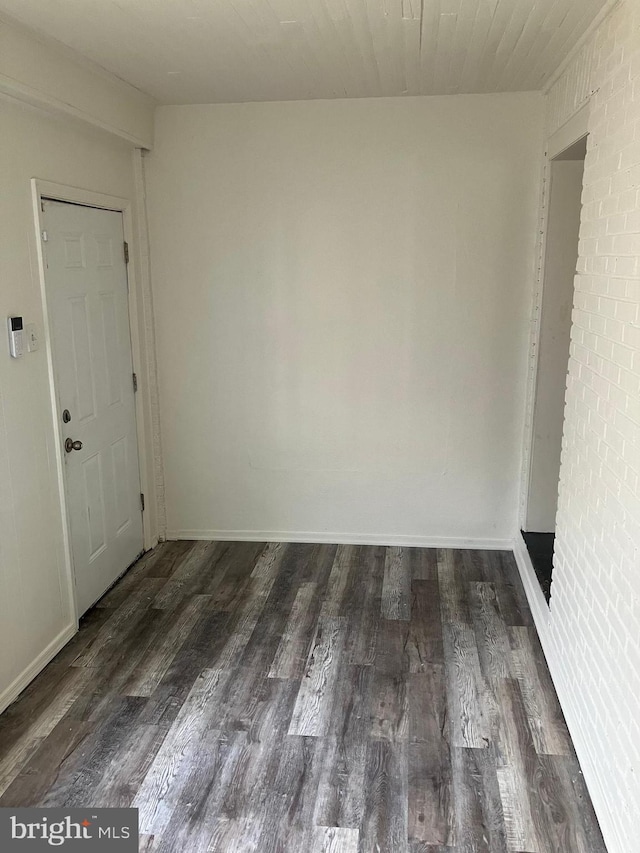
<point x="87" y="295"/>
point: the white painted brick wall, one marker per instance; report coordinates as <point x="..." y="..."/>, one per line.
<point x="594" y="631"/>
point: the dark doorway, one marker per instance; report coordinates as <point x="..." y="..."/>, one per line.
<point x="561" y="255"/>
<point x="540" y="548"/>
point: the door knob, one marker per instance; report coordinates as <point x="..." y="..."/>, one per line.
<point x="70" y="445"/>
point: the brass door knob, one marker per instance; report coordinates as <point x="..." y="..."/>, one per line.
<point x="70" y="445"/>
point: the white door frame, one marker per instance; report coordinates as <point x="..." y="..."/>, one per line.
<point x="575" y="129"/>
<point x="60" y="192"/>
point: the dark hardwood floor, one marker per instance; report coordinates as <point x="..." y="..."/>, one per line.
<point x="313" y="698"/>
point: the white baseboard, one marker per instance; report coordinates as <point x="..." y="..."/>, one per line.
<point x="16" y="687"/>
<point x="542" y="618"/>
<point x="342" y="539"/>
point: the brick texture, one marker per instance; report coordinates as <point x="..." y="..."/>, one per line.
<point x="595" y="606"/>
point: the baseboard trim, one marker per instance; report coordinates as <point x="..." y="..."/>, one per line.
<point x="342" y="539"/>
<point x="542" y="619"/>
<point x="11" y="693"/>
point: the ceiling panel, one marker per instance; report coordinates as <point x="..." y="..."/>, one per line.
<point x="213" y="51"/>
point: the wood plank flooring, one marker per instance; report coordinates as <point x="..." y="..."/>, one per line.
<point x="321" y="698"/>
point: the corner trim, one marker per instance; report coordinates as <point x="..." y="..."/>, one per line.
<point x="342" y="538"/>
<point x="36" y="666"/>
<point x="155" y="460"/>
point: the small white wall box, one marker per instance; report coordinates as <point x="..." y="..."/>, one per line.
<point x="16" y="336"/>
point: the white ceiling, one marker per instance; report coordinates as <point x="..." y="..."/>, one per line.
<point x="208" y="51"/>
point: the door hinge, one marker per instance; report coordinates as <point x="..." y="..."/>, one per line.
<point x="142" y="501"/>
<point x="45" y="237"/>
<point x="126" y="252"/>
<point x="135" y="382"/>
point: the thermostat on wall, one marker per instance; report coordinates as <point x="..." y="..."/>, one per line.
<point x="15" y="336"/>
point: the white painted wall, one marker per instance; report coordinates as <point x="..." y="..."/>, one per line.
<point x="561" y="258"/>
<point x="342" y="297"/>
<point x="61" y="143"/>
<point x="591" y="635"/>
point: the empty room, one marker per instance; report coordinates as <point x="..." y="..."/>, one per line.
<point x="320" y="426"/>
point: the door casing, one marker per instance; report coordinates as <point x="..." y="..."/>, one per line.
<point x="565" y="137"/>
<point x="60" y="192"/>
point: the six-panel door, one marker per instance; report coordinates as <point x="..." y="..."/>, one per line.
<point x="86" y="281"/>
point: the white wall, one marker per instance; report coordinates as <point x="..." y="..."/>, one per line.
<point x="561" y="257"/>
<point x="342" y="297"/>
<point x="36" y="614"/>
<point x="592" y="634"/>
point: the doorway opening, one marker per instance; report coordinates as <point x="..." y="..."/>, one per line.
<point x="561" y="255"/>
